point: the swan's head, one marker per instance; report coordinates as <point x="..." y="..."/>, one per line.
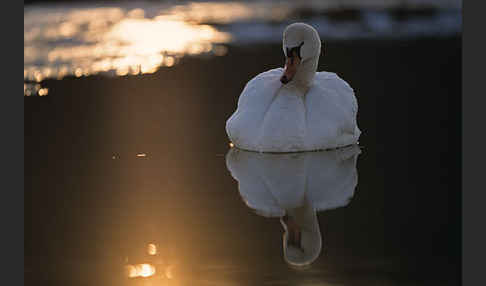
<point x="301" y="42"/>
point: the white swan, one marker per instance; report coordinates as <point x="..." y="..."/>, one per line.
<point x="296" y="108"/>
<point x="293" y="187"/>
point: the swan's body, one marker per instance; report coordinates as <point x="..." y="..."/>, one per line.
<point x="299" y="111"/>
<point x="272" y="117"/>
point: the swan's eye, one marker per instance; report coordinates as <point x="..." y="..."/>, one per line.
<point x="289" y="52"/>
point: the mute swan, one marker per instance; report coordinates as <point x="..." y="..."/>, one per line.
<point x="293" y="187"/>
<point x="296" y="108"/>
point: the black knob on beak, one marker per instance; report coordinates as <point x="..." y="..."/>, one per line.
<point x="284" y="79"/>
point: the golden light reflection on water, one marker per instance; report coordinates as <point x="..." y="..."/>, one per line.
<point x="81" y="42"/>
<point x="151" y="249"/>
<point x="145" y="270"/>
<point x="35" y="89"/>
<point x="43" y="91"/>
<point x="131" y="271"/>
<point x="139" y="270"/>
<point x="169" y="273"/>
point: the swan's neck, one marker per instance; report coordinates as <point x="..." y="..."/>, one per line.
<point x="305" y="73"/>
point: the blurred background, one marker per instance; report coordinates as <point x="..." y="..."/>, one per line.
<point x="119" y="38"/>
<point x="125" y="104"/>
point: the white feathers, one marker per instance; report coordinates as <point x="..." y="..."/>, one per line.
<point x="272" y="117"/>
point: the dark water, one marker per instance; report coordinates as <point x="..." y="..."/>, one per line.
<point x="92" y="205"/>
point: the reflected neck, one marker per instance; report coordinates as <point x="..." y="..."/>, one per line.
<point x="303" y="216"/>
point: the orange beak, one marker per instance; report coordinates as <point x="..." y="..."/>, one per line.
<point x="291" y="65"/>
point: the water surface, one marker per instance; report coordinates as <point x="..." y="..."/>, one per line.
<point x="119" y="168"/>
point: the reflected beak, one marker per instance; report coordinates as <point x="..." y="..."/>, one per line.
<point x="291" y="65"/>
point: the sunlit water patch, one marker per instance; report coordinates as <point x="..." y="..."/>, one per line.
<point x="128" y="38"/>
<point x="79" y="42"/>
<point x="35" y="89"/>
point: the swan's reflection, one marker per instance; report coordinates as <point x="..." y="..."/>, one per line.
<point x="294" y="186"/>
